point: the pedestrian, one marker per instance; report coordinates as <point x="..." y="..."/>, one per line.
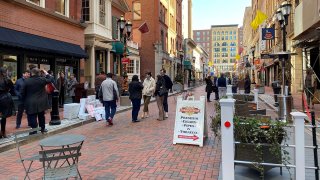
<point x="51" y="86"/>
<point x="17" y="88"/>
<point x="149" y="85"/>
<point x="222" y="86"/>
<point x="159" y="93"/>
<point x="110" y="94"/>
<point x="209" y="87"/>
<point x="247" y="84"/>
<point x="135" y="95"/>
<point x="235" y="82"/>
<point x="35" y="98"/>
<point x="215" y="87"/>
<point x="99" y="79"/>
<point x="62" y="86"/>
<point x="71" y="86"/>
<point x="168" y="84"/>
<point x="309" y="88"/>
<point x="6" y="102"/>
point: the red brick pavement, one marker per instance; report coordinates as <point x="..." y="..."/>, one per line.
<point x="128" y="150"/>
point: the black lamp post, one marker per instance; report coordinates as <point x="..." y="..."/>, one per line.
<point x="253" y="48"/>
<point x="124" y="36"/>
<point x="282" y="15"/>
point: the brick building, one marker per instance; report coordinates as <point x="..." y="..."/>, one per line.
<point x="44" y="33"/>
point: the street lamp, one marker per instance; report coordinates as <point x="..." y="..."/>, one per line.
<point x="253" y="48"/>
<point x="124" y="36"/>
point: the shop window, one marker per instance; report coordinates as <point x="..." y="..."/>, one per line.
<point x="102" y="12"/>
<point x="85" y="10"/>
<point x="62" y="7"/>
<point x="10" y="63"/>
<point x="137" y="10"/>
<point x="40" y="3"/>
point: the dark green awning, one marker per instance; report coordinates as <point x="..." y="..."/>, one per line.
<point x="118" y="48"/>
<point x="187" y="65"/>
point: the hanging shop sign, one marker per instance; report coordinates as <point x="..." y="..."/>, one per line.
<point x="125" y="60"/>
<point x="267" y="33"/>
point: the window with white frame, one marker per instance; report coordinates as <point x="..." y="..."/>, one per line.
<point x="37" y="2"/>
<point x="62" y="7"/>
<point x="85" y="10"/>
<point x="102" y="12"/>
<point x="130" y="67"/>
<point x="137" y="67"/>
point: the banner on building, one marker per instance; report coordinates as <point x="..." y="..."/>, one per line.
<point x="268" y="33"/>
<point x="125" y="60"/>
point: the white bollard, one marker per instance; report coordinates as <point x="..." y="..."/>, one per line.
<point x="229" y="91"/>
<point x="298" y="118"/>
<point x="256" y="97"/>
<point x="227" y="139"/>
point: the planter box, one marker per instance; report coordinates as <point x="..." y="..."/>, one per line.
<point x="125" y="101"/>
<point x="246" y="152"/>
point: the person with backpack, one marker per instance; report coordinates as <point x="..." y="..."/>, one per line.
<point x="159" y="93"/>
<point x="135" y="95"/>
<point x="168" y="86"/>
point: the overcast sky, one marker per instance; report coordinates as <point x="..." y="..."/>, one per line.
<point x="217" y="12"/>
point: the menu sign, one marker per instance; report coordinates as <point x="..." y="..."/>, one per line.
<point x="189" y="122"/>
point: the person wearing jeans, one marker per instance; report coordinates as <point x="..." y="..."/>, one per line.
<point x="149" y="86"/>
<point x="135" y="94"/>
<point x="110" y="94"/>
<point x="160" y="97"/>
<point x="168" y="84"/>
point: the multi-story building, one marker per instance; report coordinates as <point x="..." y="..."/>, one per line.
<point x="158" y="47"/>
<point x="47" y="34"/>
<point x="203" y="38"/>
<point x="244" y="64"/>
<point x="224" y="47"/>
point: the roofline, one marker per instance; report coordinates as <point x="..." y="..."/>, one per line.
<point x="226" y="25"/>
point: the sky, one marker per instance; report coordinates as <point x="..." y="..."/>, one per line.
<point x="217" y="12"/>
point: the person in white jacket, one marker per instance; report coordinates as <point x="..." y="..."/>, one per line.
<point x="149" y="86"/>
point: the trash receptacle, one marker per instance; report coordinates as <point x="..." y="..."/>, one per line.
<point x="276" y="91"/>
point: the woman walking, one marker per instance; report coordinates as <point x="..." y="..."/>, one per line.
<point x="6" y="102"/>
<point x="209" y="87"/>
<point x="135" y="95"/>
<point x="61" y="84"/>
<point x="247" y="84"/>
<point x="71" y="87"/>
<point x="149" y="85"/>
<point x="159" y="94"/>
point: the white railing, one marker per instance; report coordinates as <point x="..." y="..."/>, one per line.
<point x="227" y="142"/>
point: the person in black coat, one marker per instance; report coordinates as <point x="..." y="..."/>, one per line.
<point x="135" y="94"/>
<point x="247" y="84"/>
<point x="35" y="98"/>
<point x="209" y="87"/>
<point x="169" y="85"/>
<point x="215" y="88"/>
<point x="6" y="102"/>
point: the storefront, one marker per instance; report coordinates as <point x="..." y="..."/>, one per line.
<point x="19" y="50"/>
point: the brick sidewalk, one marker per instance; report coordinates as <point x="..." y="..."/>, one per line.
<point x="134" y="150"/>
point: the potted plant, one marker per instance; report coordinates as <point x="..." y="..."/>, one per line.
<point x="257" y="140"/>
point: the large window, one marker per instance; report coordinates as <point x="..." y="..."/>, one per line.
<point x="37" y="2"/>
<point x="102" y="12"/>
<point x="137" y="67"/>
<point x="216" y="49"/>
<point x="130" y="67"/>
<point x="62" y="7"/>
<point x="137" y="10"/>
<point x="224" y="49"/>
<point x="85" y="10"/>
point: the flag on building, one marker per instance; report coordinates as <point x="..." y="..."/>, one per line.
<point x="144" y="28"/>
<point x="259" y="19"/>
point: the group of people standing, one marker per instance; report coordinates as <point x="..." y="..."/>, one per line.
<point x="219" y="85"/>
<point x="108" y="93"/>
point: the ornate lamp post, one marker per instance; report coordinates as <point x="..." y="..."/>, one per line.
<point x="253" y="48"/>
<point x="124" y="36"/>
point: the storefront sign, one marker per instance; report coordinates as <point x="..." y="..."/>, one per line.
<point x="267" y="33"/>
<point x="125" y="60"/>
<point x="266" y="56"/>
<point x="189" y="122"/>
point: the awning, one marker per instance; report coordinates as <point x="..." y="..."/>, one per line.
<point x="187" y="65"/>
<point x="118" y="48"/>
<point x="13" y="38"/>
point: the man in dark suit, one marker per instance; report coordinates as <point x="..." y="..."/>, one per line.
<point x="169" y="84"/>
<point x="35" y="98"/>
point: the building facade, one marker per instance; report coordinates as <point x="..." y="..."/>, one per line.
<point x="46" y="34"/>
<point x="203" y="38"/>
<point x="224" y="47"/>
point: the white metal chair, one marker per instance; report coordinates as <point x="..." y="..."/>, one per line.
<point x="20" y="138"/>
<point x="60" y="163"/>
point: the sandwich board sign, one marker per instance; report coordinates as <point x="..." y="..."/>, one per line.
<point x="190" y="121"/>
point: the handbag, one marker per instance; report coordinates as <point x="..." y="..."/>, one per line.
<point x="50" y="88"/>
<point x="163" y="90"/>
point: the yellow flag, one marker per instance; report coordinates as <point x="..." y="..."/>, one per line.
<point x="259" y="19"/>
<point x="238" y="57"/>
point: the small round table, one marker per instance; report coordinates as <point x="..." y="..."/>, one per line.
<point x="62" y="140"/>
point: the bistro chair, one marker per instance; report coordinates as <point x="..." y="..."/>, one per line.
<point x="60" y="163"/>
<point x="21" y="138"/>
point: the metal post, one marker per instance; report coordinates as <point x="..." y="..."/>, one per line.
<point x="298" y="118"/>
<point x="55" y="118"/>
<point x="227" y="139"/>
<point x="315" y="149"/>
